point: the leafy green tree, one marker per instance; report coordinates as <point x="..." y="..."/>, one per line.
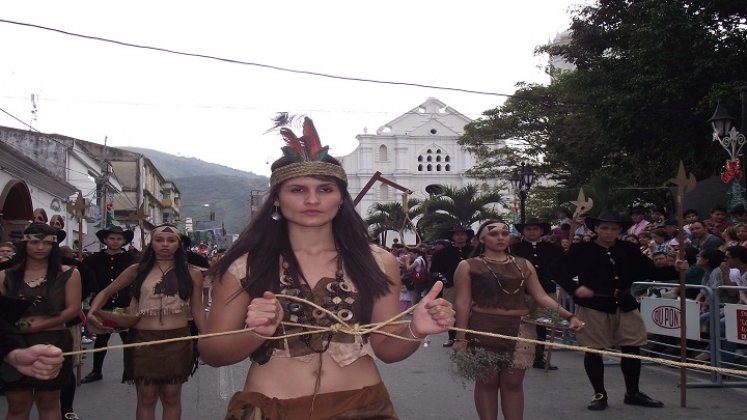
<point x="457" y="206"/>
<point x="385" y="217"/>
<point x="647" y="78"/>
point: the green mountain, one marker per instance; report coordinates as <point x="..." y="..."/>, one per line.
<point x="227" y="190"/>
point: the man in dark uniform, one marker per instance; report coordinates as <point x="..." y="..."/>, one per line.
<point x="607" y="268"/>
<point x="445" y="261"/>
<point x="546" y="258"/>
<point x="107" y="265"/>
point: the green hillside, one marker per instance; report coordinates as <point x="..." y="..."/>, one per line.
<point x="226" y="189"/>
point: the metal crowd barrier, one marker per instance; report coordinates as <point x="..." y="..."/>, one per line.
<point x="725" y="350"/>
<point x="659" y="346"/>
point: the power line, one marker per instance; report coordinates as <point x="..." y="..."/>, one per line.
<point x="260" y="65"/>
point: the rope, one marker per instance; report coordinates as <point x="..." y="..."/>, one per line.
<point x="375" y="328"/>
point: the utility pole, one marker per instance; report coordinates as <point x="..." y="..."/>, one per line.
<point x="103" y="205"/>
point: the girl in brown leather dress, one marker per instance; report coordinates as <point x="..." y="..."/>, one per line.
<point x="490" y="297"/>
<point x="165" y="291"/>
<point x="308" y="241"/>
<point x="54" y="293"/>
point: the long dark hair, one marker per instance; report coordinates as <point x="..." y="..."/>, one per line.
<point x="265" y="240"/>
<point x="480" y="248"/>
<point x="181" y="268"/>
<point x="54" y="260"/>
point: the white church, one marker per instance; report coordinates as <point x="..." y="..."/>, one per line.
<point x="415" y="150"/>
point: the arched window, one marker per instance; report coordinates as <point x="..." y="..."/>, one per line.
<point x="383" y="192"/>
<point x="383" y="156"/>
<point x="436" y="155"/>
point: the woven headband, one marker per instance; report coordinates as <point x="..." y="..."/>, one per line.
<point x="166" y="229"/>
<point x="295" y="170"/>
<point x="306" y="153"/>
<point x="492" y="226"/>
<point x="40" y="236"/>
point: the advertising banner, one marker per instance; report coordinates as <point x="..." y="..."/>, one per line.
<point x="662" y="316"/>
<point x="736" y="323"/>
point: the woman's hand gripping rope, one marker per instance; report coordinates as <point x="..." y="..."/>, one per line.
<point x="264" y="314"/>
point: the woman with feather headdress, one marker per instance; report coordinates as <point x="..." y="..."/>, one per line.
<point x="308" y="241"/>
<point x="165" y="290"/>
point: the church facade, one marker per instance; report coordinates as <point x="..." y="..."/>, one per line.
<point x="415" y="150"/>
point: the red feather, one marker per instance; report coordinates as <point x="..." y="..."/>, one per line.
<point x="311" y="139"/>
<point x="292" y="141"/>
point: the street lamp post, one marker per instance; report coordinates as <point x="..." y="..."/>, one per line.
<point x="732" y="141"/>
<point x="521" y="181"/>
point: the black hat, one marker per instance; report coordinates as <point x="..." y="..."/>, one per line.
<point x="61" y="235"/>
<point x="103" y="233"/>
<point x="460" y="228"/>
<point x="533" y="221"/>
<point x="608" y="216"/>
<point x="442" y="242"/>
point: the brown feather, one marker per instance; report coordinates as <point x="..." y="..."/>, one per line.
<point x="311" y="139"/>
<point x="292" y="141"/>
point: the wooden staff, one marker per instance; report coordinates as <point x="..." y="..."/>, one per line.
<point x="140" y="220"/>
<point x="77" y="208"/>
<point x="684" y="185"/>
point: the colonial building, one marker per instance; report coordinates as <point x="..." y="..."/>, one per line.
<point x="415" y="150"/>
<point x="142" y="186"/>
<point x="24" y="186"/>
<point x="59" y="160"/>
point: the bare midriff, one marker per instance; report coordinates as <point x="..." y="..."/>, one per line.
<point x="500" y="311"/>
<point x="163" y="322"/>
<point x="35" y="320"/>
<point x="272" y="378"/>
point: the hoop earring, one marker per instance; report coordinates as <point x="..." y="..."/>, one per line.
<point x="276" y="216"/>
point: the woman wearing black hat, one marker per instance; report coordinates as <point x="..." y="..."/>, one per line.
<point x="54" y="291"/>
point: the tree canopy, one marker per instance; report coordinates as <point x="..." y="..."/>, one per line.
<point x="648" y="74"/>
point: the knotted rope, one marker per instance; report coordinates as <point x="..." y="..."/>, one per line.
<point x="341" y="326"/>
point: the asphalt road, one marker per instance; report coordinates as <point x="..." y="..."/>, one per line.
<point x="423" y="388"/>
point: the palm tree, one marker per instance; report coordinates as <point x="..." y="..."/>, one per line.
<point x="457" y="206"/>
<point x="384" y="217"/>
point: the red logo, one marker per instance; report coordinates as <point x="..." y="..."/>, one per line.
<point x="741" y="324"/>
<point x="666" y="317"/>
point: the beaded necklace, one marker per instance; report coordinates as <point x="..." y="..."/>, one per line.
<point x="299" y="313"/>
<point x="485" y="260"/>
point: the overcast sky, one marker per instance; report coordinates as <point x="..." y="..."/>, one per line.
<point x="218" y="111"/>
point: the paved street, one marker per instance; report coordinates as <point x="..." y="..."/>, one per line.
<point x="422" y="388"/>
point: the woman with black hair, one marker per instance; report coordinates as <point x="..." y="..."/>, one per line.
<point x="491" y="291"/>
<point x="307" y="240"/>
<point x="39" y="277"/>
<point x="164" y="290"/>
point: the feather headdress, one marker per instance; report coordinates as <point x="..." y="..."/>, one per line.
<point x="306" y="152"/>
<point x="307" y="148"/>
